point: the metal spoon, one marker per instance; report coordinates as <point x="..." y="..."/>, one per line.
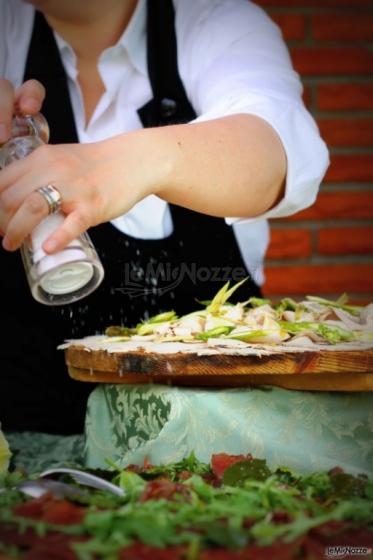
<point x="86" y="479"/>
<point x="37" y="488"/>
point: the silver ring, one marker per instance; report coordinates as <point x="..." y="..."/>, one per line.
<point x="52" y="196"/>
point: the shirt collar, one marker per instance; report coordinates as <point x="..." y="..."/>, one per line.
<point x="133" y="40"/>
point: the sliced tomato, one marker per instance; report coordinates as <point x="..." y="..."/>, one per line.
<point x="164" y="488"/>
<point x="52" y="510"/>
<point x="221" y="461"/>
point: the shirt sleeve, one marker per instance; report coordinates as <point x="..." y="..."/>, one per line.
<point x="3" y="46"/>
<point x="16" y="21"/>
<point x="233" y="59"/>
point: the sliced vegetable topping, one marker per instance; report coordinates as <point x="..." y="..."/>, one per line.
<point x="258" y="320"/>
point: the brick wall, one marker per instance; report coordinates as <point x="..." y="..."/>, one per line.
<point x="328" y="248"/>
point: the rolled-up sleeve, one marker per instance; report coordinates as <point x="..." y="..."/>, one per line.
<point x="233" y="60"/>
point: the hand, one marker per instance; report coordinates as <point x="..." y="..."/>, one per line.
<point x="26" y="100"/>
<point x="97" y="182"/>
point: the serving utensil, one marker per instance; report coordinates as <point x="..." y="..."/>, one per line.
<point x="37" y="488"/>
<point x="86" y="479"/>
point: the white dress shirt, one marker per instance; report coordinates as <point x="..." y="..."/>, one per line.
<point x="232" y="59"/>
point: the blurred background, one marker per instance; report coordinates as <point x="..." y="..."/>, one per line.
<point x="328" y="248"/>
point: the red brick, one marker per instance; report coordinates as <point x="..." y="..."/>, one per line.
<point x="313" y="3"/>
<point x="350" y="167"/>
<point x="332" y="60"/>
<point x="345" y="96"/>
<point x="322" y="278"/>
<point x="363" y="300"/>
<point x="345" y="241"/>
<point x="307" y="99"/>
<point x="289" y="243"/>
<point x="343" y="27"/>
<point x="292" y="25"/>
<point x="339" y="206"/>
<point x="347" y="132"/>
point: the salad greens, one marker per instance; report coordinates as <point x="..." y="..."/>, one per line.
<point x="233" y="503"/>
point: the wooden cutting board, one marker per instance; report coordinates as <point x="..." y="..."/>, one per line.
<point x="325" y="370"/>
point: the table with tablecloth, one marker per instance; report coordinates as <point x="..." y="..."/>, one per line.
<point x="304" y="430"/>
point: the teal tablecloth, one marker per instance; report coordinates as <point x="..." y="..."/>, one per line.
<point x="35" y="452"/>
<point x="301" y="429"/>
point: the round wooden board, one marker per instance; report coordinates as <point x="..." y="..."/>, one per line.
<point x="320" y="371"/>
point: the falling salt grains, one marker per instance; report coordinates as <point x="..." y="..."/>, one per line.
<point x="121" y="370"/>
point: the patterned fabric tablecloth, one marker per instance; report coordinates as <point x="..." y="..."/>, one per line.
<point x="304" y="430"/>
<point x="35" y="452"/>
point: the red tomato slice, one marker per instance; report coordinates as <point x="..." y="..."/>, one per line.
<point x="221" y="461"/>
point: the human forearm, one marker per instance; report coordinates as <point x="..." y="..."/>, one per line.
<point x="233" y="166"/>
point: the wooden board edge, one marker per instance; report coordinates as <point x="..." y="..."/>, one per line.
<point x="306" y="382"/>
<point x="180" y="364"/>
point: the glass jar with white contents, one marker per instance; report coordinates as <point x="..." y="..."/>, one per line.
<point x="74" y="272"/>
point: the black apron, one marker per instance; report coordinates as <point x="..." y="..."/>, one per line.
<point x="142" y="277"/>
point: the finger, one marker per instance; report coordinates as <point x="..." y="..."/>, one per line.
<point x="74" y="224"/>
<point x="32" y="211"/>
<point x="11" y="174"/>
<point x="30" y="97"/>
<point x="6" y="109"/>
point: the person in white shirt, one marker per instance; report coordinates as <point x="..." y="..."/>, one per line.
<point x="249" y="152"/>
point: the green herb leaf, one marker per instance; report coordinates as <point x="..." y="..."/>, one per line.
<point x="237" y="474"/>
<point x="214" y="333"/>
<point x="339" y="304"/>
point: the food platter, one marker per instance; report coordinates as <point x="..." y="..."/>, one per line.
<point x="184" y="510"/>
<point x="314" y="345"/>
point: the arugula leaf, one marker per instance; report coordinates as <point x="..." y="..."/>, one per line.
<point x="147" y="327"/>
<point x="332" y="334"/>
<point x="249" y="335"/>
<point x="257" y="302"/>
<point x="213" y="333"/>
<point x="347" y="485"/>
<point x="189" y="463"/>
<point x="237" y="474"/>
<point x="287" y="304"/>
<point x="132" y="483"/>
<point x="339" y="304"/>
<point x="119" y="331"/>
<point x="162" y="317"/>
<point x="335" y="334"/>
